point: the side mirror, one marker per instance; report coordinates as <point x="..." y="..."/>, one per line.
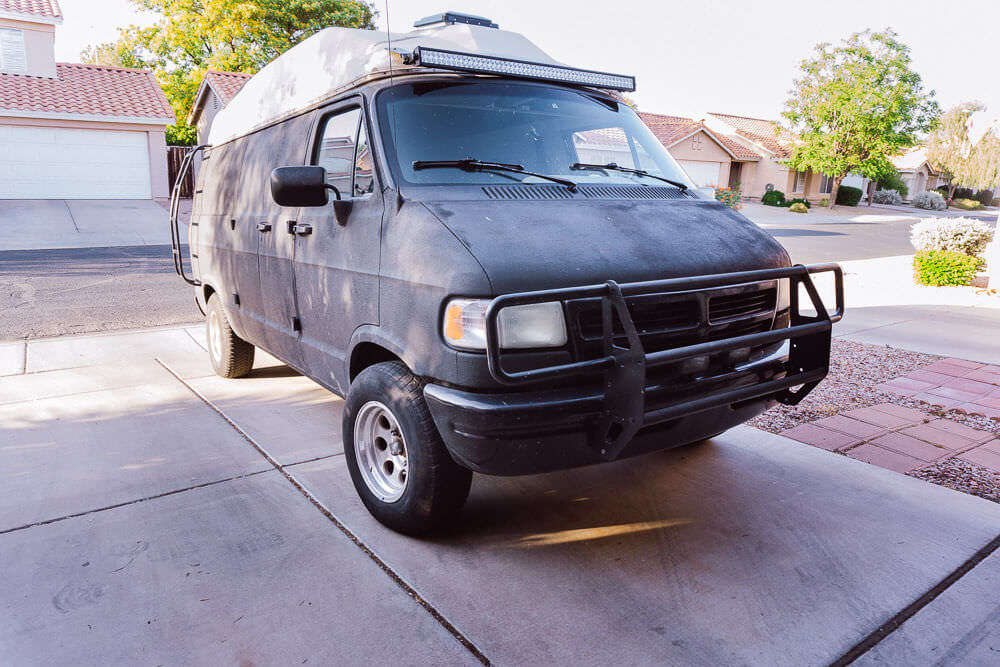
<point x="300" y="186"/>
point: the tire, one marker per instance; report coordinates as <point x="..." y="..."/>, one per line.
<point x="408" y="482"/>
<point x="231" y="356"/>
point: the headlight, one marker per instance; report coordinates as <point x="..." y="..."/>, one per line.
<point x="784" y="294"/>
<point x="521" y="327"/>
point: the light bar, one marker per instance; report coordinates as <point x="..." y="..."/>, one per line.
<point x="471" y="62"/>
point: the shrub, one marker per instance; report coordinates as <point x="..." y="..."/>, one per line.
<point x="963" y="235"/>
<point x="887" y="197"/>
<point x="825" y="202"/>
<point x="773" y="198"/>
<point x="848" y="196"/>
<point x="942" y="190"/>
<point x="930" y="200"/>
<point x="798" y="200"/>
<point x="967" y="204"/>
<point x="798" y="207"/>
<point x="984" y="197"/>
<point x="894" y="182"/>
<point x="946" y="267"/>
<point x="962" y="193"/>
<point x="729" y="197"/>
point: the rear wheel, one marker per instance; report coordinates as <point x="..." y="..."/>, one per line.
<point x="398" y="463"/>
<point x="231" y="356"/>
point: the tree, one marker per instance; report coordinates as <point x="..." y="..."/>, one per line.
<point x="949" y="147"/>
<point x="855" y="106"/>
<point x="192" y="36"/>
<point x="964" y="161"/>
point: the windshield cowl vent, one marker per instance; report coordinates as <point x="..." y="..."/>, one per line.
<point x="540" y="192"/>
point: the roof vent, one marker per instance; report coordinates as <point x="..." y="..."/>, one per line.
<point x="448" y="18"/>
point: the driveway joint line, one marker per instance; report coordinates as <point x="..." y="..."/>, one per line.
<point x="126" y="503"/>
<point x="24" y="359"/>
<point x="318" y="504"/>
<point x="894" y="623"/>
<point x="71" y="218"/>
<point x="196" y="341"/>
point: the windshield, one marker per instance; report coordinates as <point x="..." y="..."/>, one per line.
<point x="541" y="128"/>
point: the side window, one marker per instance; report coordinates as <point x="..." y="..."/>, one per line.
<point x="364" y="178"/>
<point x="336" y="150"/>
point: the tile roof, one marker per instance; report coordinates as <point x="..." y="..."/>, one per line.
<point x="86" y="89"/>
<point x="671" y="129"/>
<point x="913" y="158"/>
<point x="49" y="8"/>
<point x="767" y="133"/>
<point x="226" y="84"/>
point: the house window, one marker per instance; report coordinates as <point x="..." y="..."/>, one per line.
<point x="12" y="58"/>
<point x="800" y="182"/>
<point x="826" y="185"/>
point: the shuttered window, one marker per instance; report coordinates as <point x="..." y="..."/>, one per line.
<point x="12" y="50"/>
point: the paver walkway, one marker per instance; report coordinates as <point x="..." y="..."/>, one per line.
<point x="905" y="439"/>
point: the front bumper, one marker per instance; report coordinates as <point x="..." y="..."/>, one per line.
<point x="536" y="431"/>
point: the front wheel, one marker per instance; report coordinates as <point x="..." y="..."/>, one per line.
<point x="395" y="455"/>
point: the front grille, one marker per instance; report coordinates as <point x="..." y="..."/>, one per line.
<point x="675" y="319"/>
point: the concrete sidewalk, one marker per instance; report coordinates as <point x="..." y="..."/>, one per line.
<point x="80" y="223"/>
<point x="149" y="508"/>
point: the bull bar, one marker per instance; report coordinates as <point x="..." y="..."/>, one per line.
<point x="623" y="412"/>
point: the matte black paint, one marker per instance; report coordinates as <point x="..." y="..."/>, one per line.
<point x="384" y="275"/>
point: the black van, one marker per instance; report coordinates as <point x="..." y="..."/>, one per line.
<point x="501" y="270"/>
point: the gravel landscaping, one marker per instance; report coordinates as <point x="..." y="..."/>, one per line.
<point x="855" y="371"/>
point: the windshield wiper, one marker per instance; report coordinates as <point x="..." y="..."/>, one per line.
<point x="472" y="164"/>
<point x="641" y="172"/>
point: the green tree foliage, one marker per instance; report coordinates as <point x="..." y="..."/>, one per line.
<point x="949" y="147"/>
<point x="190" y="37"/>
<point x="856" y="105"/>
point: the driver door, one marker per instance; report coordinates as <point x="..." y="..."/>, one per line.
<point x="337" y="263"/>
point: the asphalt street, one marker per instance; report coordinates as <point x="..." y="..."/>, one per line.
<point x="76" y="290"/>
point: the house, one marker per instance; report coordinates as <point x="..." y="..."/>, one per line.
<point x="216" y="91"/>
<point x="917" y="172"/>
<point x="73" y="131"/>
<point x="775" y="145"/>
<point x="710" y="159"/>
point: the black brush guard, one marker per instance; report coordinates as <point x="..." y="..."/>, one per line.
<point x="624" y="368"/>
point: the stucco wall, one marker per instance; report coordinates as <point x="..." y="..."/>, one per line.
<point x="39" y="46"/>
<point x="156" y="138"/>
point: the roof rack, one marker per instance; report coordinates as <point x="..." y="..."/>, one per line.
<point x="455" y="17"/>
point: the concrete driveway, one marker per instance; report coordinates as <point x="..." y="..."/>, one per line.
<point x="81" y="223"/>
<point x="152" y="512"/>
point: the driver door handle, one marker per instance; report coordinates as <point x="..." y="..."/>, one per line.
<point x="263" y="226"/>
<point x="301" y="229"/>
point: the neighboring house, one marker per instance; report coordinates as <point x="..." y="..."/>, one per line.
<point x="710" y="159"/>
<point x="71" y="131"/>
<point x="775" y="145"/>
<point x="216" y="91"/>
<point x="917" y="172"/>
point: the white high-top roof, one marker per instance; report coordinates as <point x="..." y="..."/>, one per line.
<point x="334" y="59"/>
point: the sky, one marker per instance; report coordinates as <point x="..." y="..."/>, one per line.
<point x="689" y="58"/>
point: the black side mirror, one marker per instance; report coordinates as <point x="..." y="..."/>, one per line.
<point x="300" y="186"/>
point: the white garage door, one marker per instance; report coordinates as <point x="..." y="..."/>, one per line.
<point x="702" y="173"/>
<point x="61" y="163"/>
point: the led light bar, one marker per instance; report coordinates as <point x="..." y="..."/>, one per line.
<point x="472" y="62"/>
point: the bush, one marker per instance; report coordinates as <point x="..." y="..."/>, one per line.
<point x="729" y="197"/>
<point x="938" y="268"/>
<point x="894" y="182"/>
<point x="984" y="197"/>
<point x="848" y="196"/>
<point x="825" y="202"/>
<point x="969" y="237"/>
<point x="798" y="200"/>
<point x="798" y="207"/>
<point x="962" y="193"/>
<point x="773" y="198"/>
<point x="887" y="197"/>
<point x="967" y="204"/>
<point x="930" y="200"/>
